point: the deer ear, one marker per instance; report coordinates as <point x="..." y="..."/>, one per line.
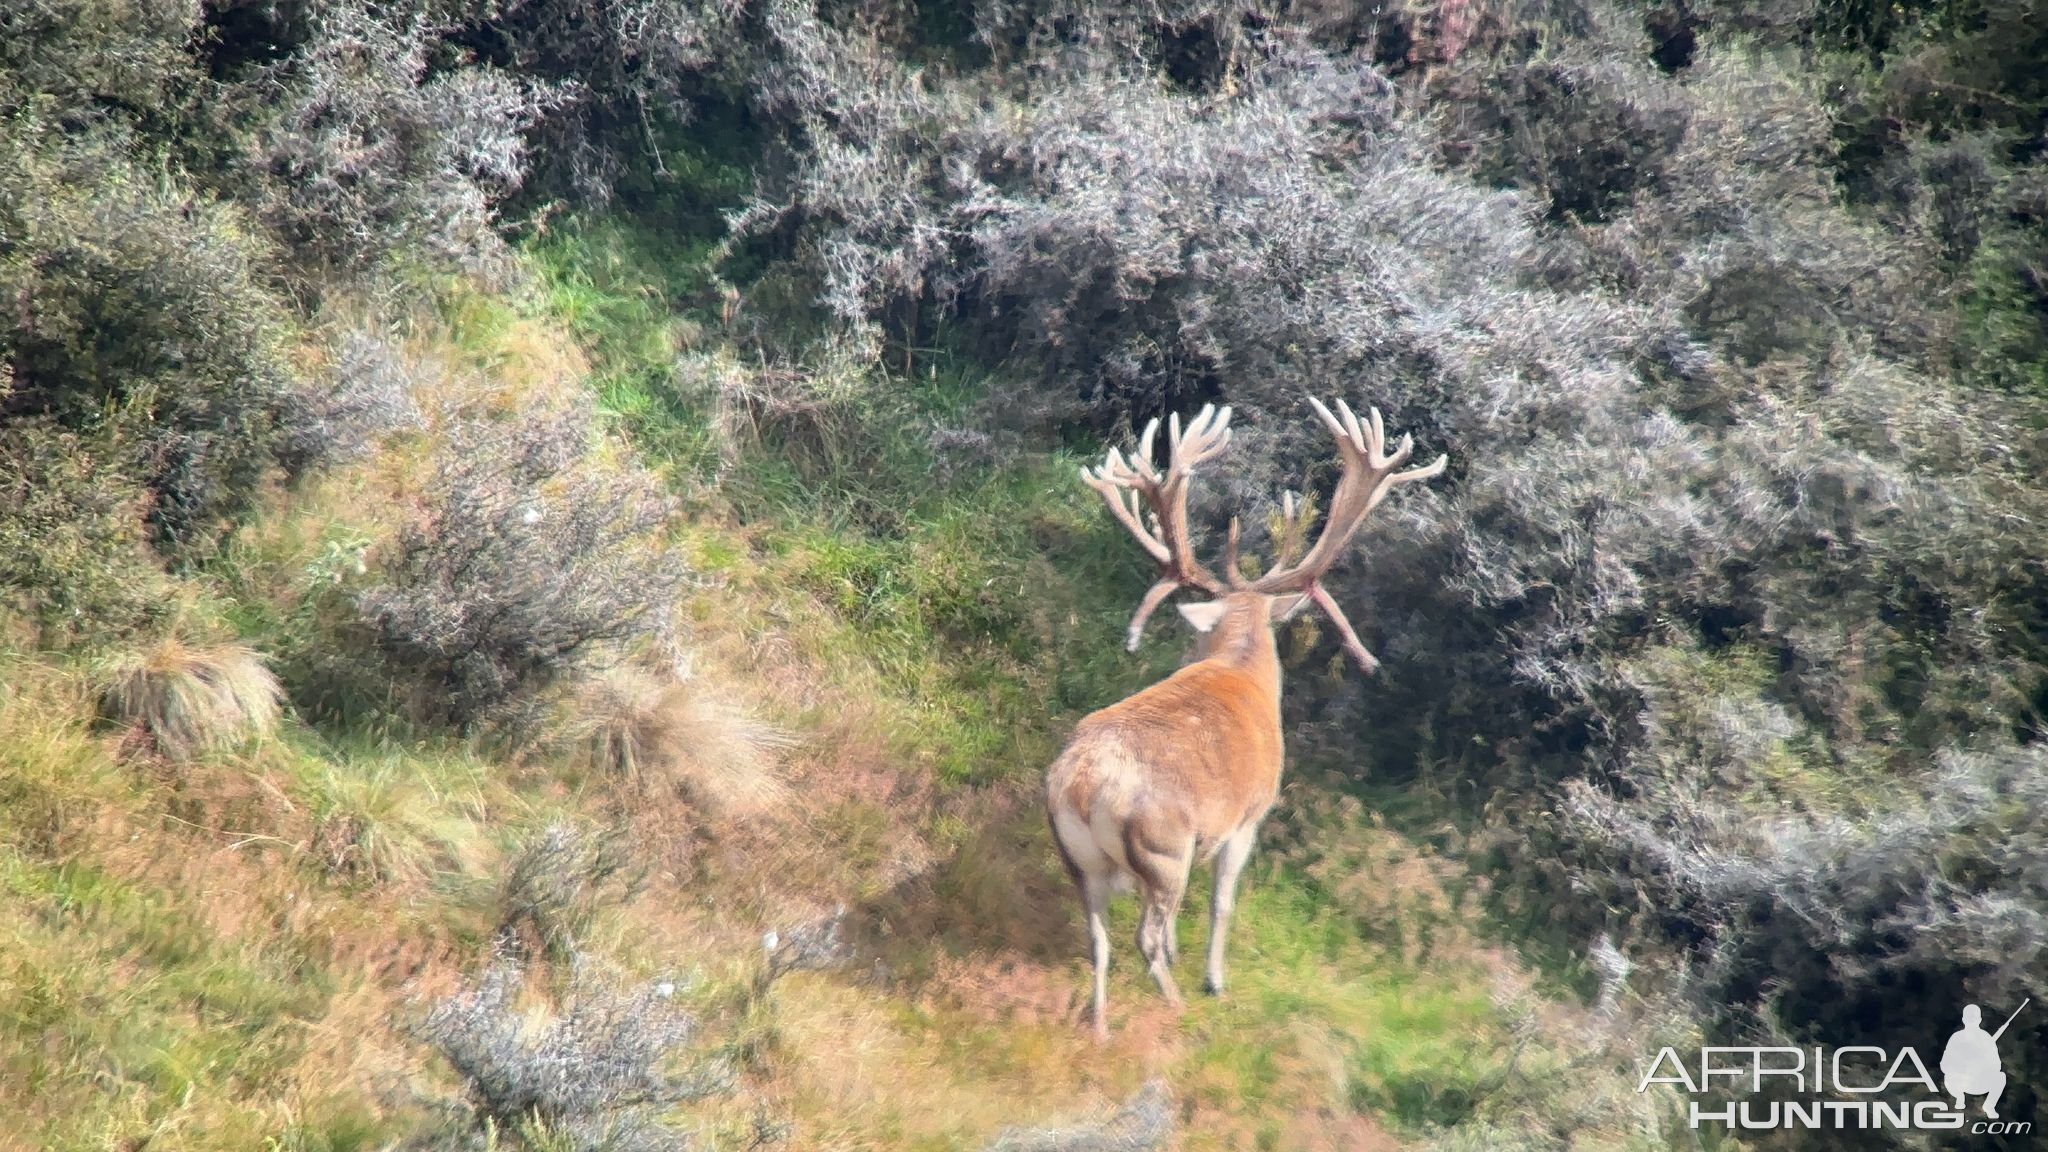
<point x="1202" y="616"/>
<point x="1285" y="608"/>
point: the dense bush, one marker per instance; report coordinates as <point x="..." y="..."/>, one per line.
<point x="631" y="73"/>
<point x="135" y="300"/>
<point x="95" y="60"/>
<point x="530" y="562"/>
<point x="73" y="559"/>
<point x="365" y="151"/>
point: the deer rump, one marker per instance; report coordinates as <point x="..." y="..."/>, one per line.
<point x="1169" y="777"/>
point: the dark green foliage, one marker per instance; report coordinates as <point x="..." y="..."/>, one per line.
<point x="72" y="552"/>
<point x="85" y="61"/>
<point x="129" y="295"/>
<point x="632" y="72"/>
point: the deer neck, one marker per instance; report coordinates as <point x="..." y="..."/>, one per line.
<point x="1247" y="646"/>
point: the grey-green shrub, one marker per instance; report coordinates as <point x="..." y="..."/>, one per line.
<point x="138" y="300"/>
<point x="530" y="562"/>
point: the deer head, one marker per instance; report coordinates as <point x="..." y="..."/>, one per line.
<point x="1161" y="526"/>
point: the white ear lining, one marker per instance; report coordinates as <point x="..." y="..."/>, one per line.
<point x="1203" y="616"/>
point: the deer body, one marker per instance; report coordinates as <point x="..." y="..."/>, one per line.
<point x="1186" y="770"/>
<point x="1182" y="773"/>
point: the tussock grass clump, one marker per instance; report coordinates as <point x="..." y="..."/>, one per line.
<point x="187" y="700"/>
<point x="645" y="727"/>
<point x="394" y="819"/>
<point x="556" y="885"/>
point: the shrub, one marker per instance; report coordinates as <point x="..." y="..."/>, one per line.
<point x="631" y="74"/>
<point x="530" y="561"/>
<point x="1145" y="1122"/>
<point x="72" y="553"/>
<point x="1897" y="915"/>
<point x="102" y="59"/>
<point x="365" y="396"/>
<point x="139" y="300"/>
<point x="591" y="1078"/>
<point x="556" y="886"/>
<point x="364" y="149"/>
<point x="187" y="700"/>
<point x="646" y="727"/>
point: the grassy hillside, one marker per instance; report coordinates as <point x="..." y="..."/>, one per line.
<point x="542" y="561"/>
<point x="238" y="946"/>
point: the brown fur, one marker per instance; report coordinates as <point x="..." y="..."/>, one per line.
<point x="1182" y="771"/>
<point x="1188" y="768"/>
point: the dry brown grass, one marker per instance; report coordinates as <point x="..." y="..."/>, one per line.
<point x="189" y="700"/>
<point x="649" y="728"/>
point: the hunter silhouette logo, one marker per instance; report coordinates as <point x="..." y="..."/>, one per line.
<point x="1857" y="1086"/>
<point x="1970" y="1065"/>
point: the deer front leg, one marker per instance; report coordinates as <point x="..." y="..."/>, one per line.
<point x="1229" y="864"/>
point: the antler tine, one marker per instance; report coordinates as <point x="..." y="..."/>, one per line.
<point x="1287" y="532"/>
<point x="1230" y="572"/>
<point x="1154" y="597"/>
<point x="1108" y="481"/>
<point x="1144" y="458"/>
<point x="1134" y="487"/>
<point x="1369" y="474"/>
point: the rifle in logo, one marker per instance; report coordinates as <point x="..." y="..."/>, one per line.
<point x="1970" y="1064"/>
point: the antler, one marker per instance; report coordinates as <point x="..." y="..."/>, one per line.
<point x="1123" y="483"/>
<point x="1368" y="476"/>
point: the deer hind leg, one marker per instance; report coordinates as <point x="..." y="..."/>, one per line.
<point x="1163" y="877"/>
<point x="1230" y="861"/>
<point x="1095" y="902"/>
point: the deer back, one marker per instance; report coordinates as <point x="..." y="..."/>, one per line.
<point x="1199" y="751"/>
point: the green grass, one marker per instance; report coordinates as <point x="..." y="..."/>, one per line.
<point x="982" y="595"/>
<point x="183" y="956"/>
<point x="116" y="1001"/>
<point x="989" y="600"/>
